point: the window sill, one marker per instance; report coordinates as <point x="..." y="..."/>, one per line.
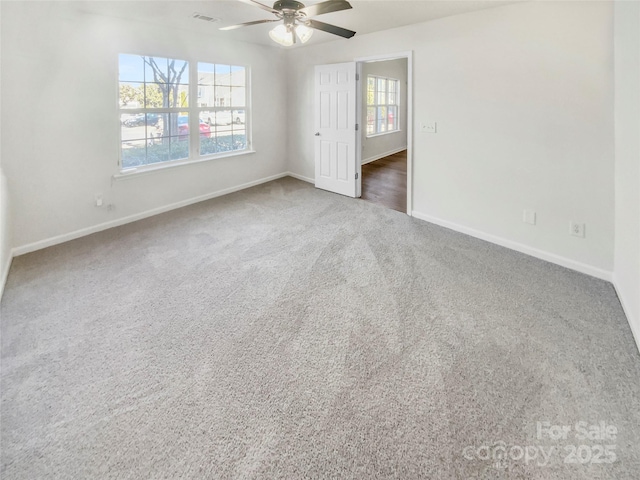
<point x="136" y="171"/>
<point x="383" y="133"/>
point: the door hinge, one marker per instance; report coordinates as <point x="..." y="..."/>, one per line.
<point x="357" y="127"/>
<point x="357" y="77"/>
<point x="356" y="176"/>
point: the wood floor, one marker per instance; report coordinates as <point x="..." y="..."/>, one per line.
<point x="385" y="181"/>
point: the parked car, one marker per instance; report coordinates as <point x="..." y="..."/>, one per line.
<point x="226" y="117"/>
<point x="222" y="117"/>
<point x="183" y="127"/>
<point x="138" y="119"/>
<point x="238" y="116"/>
<point x="153" y="118"/>
<point x="134" y="120"/>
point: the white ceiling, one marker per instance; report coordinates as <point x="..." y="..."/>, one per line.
<point x="366" y="16"/>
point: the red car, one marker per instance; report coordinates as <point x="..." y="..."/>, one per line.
<point x="183" y="128"/>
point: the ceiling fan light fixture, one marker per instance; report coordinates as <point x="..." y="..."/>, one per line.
<point x="304" y="33"/>
<point x="282" y="35"/>
<point x="298" y="23"/>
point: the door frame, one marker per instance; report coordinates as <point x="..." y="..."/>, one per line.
<point x="359" y="86"/>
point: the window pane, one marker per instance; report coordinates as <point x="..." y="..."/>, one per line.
<point x="238" y="117"/>
<point x="206" y="73"/>
<point x="238" y="76"/>
<point x="382" y="89"/>
<point x="392" y="98"/>
<point x="208" y="146"/>
<point x="207" y="117"/>
<point x="391" y="85"/>
<point x="179" y="125"/>
<point x="204" y="129"/>
<point x="179" y="148"/>
<point x="154" y="96"/>
<point x="393" y="92"/>
<point x="223" y="129"/>
<point x="206" y="97"/>
<point x="392" y="119"/>
<point x="207" y="133"/>
<point x="223" y="96"/>
<point x="223" y="118"/>
<point x="382" y="119"/>
<point x="132" y="127"/>
<point x="371" y="96"/>
<point x="131" y="68"/>
<point x="178" y="71"/>
<point x="223" y="74"/>
<point x="154" y="125"/>
<point x="239" y="138"/>
<point x="371" y="120"/>
<point x="134" y="153"/>
<point x="227" y="132"/>
<point x="238" y="96"/>
<point x="158" y="151"/>
<point x="224" y="139"/>
<point x="179" y="96"/>
<point x="155" y="69"/>
<point x="131" y="95"/>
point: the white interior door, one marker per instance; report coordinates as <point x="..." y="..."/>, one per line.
<point x="335" y="133"/>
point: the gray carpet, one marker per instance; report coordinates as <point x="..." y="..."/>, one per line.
<point x="286" y="332"/>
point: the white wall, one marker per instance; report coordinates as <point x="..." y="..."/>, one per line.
<point x="60" y="135"/>
<point x="523" y="98"/>
<point x="5" y="231"/>
<point x="627" y="166"/>
<point x="380" y="146"/>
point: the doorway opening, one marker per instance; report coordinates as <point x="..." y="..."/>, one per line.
<point x="384" y="144"/>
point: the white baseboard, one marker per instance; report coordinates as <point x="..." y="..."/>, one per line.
<point x="5" y="273"/>
<point x="634" y="323"/>
<point x="32" y="247"/>
<point x="519" y="247"/>
<point x="382" y="155"/>
<point x="301" y="177"/>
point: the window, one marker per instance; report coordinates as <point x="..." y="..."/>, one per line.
<point x="222" y="102"/>
<point x="157" y="116"/>
<point x="383" y="99"/>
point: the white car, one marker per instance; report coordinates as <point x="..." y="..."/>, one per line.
<point x="238" y="116"/>
<point x="223" y="117"/>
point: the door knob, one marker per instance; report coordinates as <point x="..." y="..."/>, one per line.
<point x="317" y="134"/>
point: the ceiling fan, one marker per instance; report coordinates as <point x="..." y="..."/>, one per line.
<point x="297" y="21"/>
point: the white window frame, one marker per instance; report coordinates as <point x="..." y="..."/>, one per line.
<point x="215" y="108"/>
<point x="194" y="117"/>
<point x="376" y="105"/>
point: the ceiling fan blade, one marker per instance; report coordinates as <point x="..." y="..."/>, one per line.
<point x="247" y="24"/>
<point x="325" y="7"/>
<point x="260" y="5"/>
<point x="325" y="27"/>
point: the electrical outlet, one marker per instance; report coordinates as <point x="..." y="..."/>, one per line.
<point x="99" y="200"/>
<point x="576" y="229"/>
<point x="529" y="216"/>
